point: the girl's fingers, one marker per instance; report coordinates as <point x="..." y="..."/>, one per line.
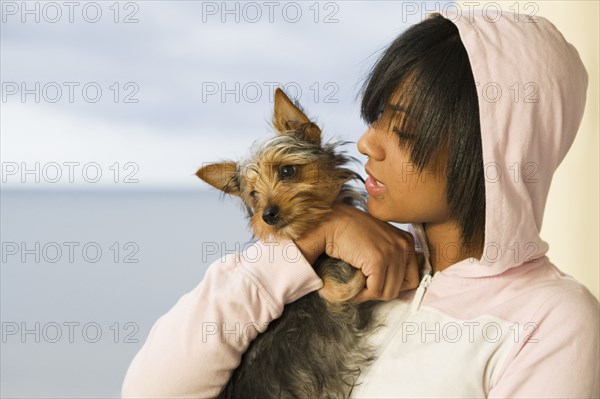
<point x="374" y="286"/>
<point x="387" y="282"/>
<point x="411" y="276"/>
<point x="375" y="281"/>
<point x="393" y="283"/>
<point x="384" y="283"/>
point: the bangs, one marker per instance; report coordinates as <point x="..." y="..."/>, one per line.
<point x="416" y="86"/>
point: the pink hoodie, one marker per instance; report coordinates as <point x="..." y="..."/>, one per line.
<point x="510" y="324"/>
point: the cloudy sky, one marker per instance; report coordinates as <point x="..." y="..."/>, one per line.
<point x="100" y="96"/>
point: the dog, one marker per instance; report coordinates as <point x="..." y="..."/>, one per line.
<point x="319" y="346"/>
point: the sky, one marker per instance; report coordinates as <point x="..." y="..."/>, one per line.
<point x="139" y="95"/>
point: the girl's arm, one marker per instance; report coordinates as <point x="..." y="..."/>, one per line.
<point x="192" y="350"/>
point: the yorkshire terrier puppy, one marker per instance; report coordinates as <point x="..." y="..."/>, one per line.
<point x="318" y="347"/>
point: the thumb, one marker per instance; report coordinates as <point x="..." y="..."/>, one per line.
<point x="363" y="296"/>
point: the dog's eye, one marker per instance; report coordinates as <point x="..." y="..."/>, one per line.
<point x="253" y="194"/>
<point x="287" y="171"/>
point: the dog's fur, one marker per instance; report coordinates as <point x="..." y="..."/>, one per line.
<point x="318" y="347"/>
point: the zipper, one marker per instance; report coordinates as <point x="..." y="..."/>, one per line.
<point x="419" y="232"/>
<point x="383" y="347"/>
<point x="418" y="298"/>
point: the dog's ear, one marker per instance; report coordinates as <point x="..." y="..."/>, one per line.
<point x="288" y="116"/>
<point x="222" y="176"/>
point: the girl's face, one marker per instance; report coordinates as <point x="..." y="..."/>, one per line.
<point x="406" y="195"/>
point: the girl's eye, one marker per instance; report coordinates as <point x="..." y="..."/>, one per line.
<point x="403" y="135"/>
<point x="287" y="172"/>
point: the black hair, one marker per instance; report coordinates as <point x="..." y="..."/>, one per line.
<point x="438" y="93"/>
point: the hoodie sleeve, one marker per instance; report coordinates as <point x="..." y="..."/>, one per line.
<point x="560" y="358"/>
<point x="191" y="351"/>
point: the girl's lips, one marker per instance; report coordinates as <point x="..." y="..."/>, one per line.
<point x="373" y="188"/>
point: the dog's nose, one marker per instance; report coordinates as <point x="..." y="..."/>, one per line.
<point x="271" y="215"/>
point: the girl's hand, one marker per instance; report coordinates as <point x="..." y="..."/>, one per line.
<point x="382" y="252"/>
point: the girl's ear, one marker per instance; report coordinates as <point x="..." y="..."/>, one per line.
<point x="222" y="176"/>
<point x="288" y="117"/>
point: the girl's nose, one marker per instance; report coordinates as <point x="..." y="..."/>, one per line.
<point x="369" y="146"/>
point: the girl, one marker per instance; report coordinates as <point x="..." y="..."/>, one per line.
<point x="468" y="119"/>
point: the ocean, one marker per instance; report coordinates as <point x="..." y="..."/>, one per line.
<point x="85" y="274"/>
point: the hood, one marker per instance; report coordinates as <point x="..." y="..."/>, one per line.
<point x="531" y="87"/>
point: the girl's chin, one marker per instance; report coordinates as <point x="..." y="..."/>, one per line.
<point x="377" y="209"/>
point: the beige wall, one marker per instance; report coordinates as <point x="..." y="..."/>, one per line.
<point x="571" y="221"/>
